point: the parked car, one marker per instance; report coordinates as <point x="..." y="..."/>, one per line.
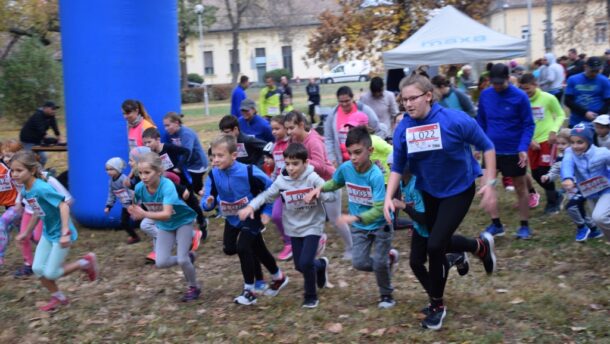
<point x="192" y="84"/>
<point x="356" y="70"/>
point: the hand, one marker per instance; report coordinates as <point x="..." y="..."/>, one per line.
<point x="567" y="184"/>
<point x="399" y="204"/>
<point x="489" y="198"/>
<point x="388" y="210"/>
<point x="590" y="115"/>
<point x="477" y="155"/>
<point x="265" y="219"/>
<point x="136" y="212"/>
<point x="552" y="138"/>
<point x="127" y="183"/>
<point x="209" y="201"/>
<point x="544" y="178"/>
<point x="312" y="195"/>
<point x="335" y="164"/>
<point x="64" y="241"/>
<point x="534" y="145"/>
<point x="106" y="210"/>
<point x="246" y="212"/>
<point x="19" y="239"/>
<point x="346" y="219"/>
<point x="522" y="159"/>
<point x="200" y="192"/>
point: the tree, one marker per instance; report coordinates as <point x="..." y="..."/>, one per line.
<point x="30" y="76"/>
<point x="363" y="33"/>
<point x="577" y="23"/>
<point x="188" y="28"/>
<point x="235" y="11"/>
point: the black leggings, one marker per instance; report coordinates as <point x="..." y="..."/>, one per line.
<point x="443" y="217"/>
<point x="197" y="181"/>
<point x="251" y="249"/>
<point x="128" y="224"/>
<point x="537" y="175"/>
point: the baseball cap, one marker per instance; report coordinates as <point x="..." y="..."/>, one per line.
<point x="247" y="104"/>
<point x="357" y="119"/>
<point x="498" y="73"/>
<point x="602" y="119"/>
<point x="607" y="51"/>
<point x="594" y="62"/>
<point x="50" y="104"/>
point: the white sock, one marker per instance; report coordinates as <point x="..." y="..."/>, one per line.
<point x="60" y="296"/>
<point x="249" y="287"/>
<point x="83" y="263"/>
<point x="278" y="275"/>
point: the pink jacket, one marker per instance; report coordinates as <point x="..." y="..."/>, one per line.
<point x="317" y="155"/>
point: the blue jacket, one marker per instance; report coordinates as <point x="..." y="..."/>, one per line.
<point x="448" y="171"/>
<point x="238" y="95"/>
<point x="232" y="185"/>
<point x="187" y="138"/>
<point x="257" y="127"/>
<point x="506" y="117"/>
<point x="592" y="163"/>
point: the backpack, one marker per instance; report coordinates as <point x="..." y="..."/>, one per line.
<point x="256" y="185"/>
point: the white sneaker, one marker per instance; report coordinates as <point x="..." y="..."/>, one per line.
<point x="387" y="301"/>
<point x="347" y="255"/>
<point x="246" y="298"/>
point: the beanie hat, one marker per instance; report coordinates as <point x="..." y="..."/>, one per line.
<point x="116" y="163"/>
<point x="584" y="131"/>
<point x="137" y="152"/>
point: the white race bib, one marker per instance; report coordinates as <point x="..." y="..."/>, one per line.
<point x="154" y="207"/>
<point x="278" y="158"/>
<point x="6" y="183"/>
<point x="231" y="208"/>
<point x="166" y="162"/>
<point x="35" y="206"/>
<point x="176" y="141"/>
<point x="293" y="199"/>
<point x="241" y="151"/>
<point x="123" y="196"/>
<point x="343" y="135"/>
<point x="273" y="110"/>
<point x="424" y="138"/>
<point x="538" y="112"/>
<point x="592" y="186"/>
<point x="359" y="194"/>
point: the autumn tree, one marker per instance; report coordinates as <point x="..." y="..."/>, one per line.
<point x="363" y="33"/>
<point x="577" y="23"/>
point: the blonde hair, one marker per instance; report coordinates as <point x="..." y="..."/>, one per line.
<point x="11" y="145"/>
<point x="225" y="139"/>
<point x="174" y="117"/>
<point x="153" y="160"/>
<point x="28" y="160"/>
<point x="564" y="133"/>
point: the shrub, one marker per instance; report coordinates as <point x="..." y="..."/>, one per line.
<point x="221" y="92"/>
<point x="276" y="74"/>
<point x="194" y="77"/>
<point x="192" y="95"/>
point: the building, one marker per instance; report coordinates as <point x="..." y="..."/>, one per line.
<point x="271" y="37"/>
<point x="580" y="24"/>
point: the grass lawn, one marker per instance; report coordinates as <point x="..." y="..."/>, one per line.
<point x="547" y="290"/>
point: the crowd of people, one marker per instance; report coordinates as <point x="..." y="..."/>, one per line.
<point x="418" y="151"/>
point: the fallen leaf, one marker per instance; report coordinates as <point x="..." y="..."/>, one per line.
<point x="334" y="328"/>
<point x="343" y="316"/>
<point x="378" y="333"/>
<point x="501" y="291"/>
<point x="517" y="301"/>
<point x="243" y="333"/>
<point x="578" y="328"/>
<point x="343" y="284"/>
<point x="595" y="306"/>
<point x="364" y="331"/>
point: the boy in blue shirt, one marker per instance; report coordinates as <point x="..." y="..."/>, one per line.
<point x="366" y="192"/>
<point x="231" y="185"/>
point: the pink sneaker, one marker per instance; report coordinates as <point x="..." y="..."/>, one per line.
<point x="286" y="253"/>
<point x="321" y="244"/>
<point x="53" y="304"/>
<point x="91" y="268"/>
<point x="534" y="200"/>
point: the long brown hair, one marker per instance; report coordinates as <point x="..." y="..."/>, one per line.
<point x="131" y="105"/>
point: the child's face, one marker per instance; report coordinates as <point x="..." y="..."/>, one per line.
<point x="132" y="162"/>
<point x="562" y="144"/>
<point x="7" y="155"/>
<point x="221" y="158"/>
<point x="153" y="144"/>
<point x="130" y="117"/>
<point x="286" y="100"/>
<point x="112" y="172"/>
<point x="602" y="130"/>
<point x="148" y="174"/>
<point x="296" y="132"/>
<point x="171" y="127"/>
<point x="359" y="154"/>
<point x="277" y="130"/>
<point x="20" y="173"/>
<point x="579" y="145"/>
<point x="295" y="167"/>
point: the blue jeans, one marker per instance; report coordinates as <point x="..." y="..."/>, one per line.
<point x="41" y="155"/>
<point x="304" y="255"/>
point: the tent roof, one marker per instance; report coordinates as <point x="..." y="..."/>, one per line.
<point x="453" y="37"/>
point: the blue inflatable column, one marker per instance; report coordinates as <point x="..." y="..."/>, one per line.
<point x="112" y="50"/>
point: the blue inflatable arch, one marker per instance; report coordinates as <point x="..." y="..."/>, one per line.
<point x="112" y="50"/>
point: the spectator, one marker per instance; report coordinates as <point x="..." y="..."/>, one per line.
<point x="238" y="95"/>
<point x="465" y="78"/>
<point x="382" y="102"/>
<point x="34" y="131"/>
<point x="252" y="124"/>
<point x="269" y="99"/>
<point x="606" y="71"/>
<point x="286" y="90"/>
<point x="576" y="64"/>
<point x="588" y="93"/>
<point x="451" y="98"/>
<point x="313" y="98"/>
<point x="551" y="76"/>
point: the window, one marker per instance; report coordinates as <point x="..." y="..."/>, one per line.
<point x="260" y="52"/>
<point x="339" y="69"/>
<point x="287" y="58"/>
<point x="601" y="32"/>
<point x="261" y="63"/>
<point x="208" y="63"/>
<point x="234" y="62"/>
<point x="525" y="32"/>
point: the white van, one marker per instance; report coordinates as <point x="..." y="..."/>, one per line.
<point x="348" y="71"/>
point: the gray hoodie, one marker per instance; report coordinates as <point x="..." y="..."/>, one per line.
<point x="299" y="219"/>
<point x="551" y="76"/>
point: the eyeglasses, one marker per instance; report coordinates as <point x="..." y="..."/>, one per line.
<point x="347" y="101"/>
<point x="412" y="99"/>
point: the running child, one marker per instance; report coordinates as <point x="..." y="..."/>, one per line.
<point x="304" y="223"/>
<point x="58" y="231"/>
<point x="231" y="185"/>
<point x="8" y="196"/>
<point x="155" y="198"/>
<point x="249" y="148"/>
<point x="116" y="189"/>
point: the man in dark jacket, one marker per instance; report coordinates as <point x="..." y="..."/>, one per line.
<point x="313" y="98"/>
<point x="34" y="131"/>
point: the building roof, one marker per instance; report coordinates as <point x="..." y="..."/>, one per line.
<point x="499" y="5"/>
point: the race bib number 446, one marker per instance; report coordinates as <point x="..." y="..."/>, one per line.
<point x="424" y="138"/>
<point x="359" y="194"/>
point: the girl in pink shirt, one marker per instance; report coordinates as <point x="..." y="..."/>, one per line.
<point x="281" y="142"/>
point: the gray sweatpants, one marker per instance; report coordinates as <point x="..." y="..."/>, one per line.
<point x="380" y="241"/>
<point x="601" y="214"/>
<point x="164" y="245"/>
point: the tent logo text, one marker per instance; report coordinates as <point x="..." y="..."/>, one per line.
<point x="454" y="40"/>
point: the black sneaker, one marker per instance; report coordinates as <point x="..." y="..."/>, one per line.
<point x="277" y="285"/>
<point x="23" y="272"/>
<point x="203" y="227"/>
<point x="489" y="256"/>
<point x="311" y="303"/>
<point x="426" y="310"/>
<point x="322" y="274"/>
<point x="434" y="320"/>
<point x="460" y="261"/>
<point x="191" y="294"/>
<point x="246" y="298"/>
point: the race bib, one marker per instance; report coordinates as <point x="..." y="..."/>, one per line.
<point x="342" y="136"/>
<point x="424" y="138"/>
<point x="278" y="158"/>
<point x="176" y="141"/>
<point x="166" y="162"/>
<point x="231" y="208"/>
<point x="273" y="110"/>
<point x="546" y="158"/>
<point x="123" y="196"/>
<point x="358" y="194"/>
<point x="35" y="206"/>
<point x="538" y="112"/>
<point x="241" y="151"/>
<point x="592" y="186"/>
<point x="154" y="207"/>
<point x="293" y="199"/>
<point x="6" y="183"/>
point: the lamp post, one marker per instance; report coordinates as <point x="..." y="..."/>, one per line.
<point x="199" y="10"/>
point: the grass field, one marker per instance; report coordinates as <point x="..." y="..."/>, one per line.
<point x="547" y="290"/>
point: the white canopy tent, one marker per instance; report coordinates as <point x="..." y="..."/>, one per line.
<point x="452" y="37"/>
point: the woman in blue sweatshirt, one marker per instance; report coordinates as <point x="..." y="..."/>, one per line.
<point x="435" y="142"/>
